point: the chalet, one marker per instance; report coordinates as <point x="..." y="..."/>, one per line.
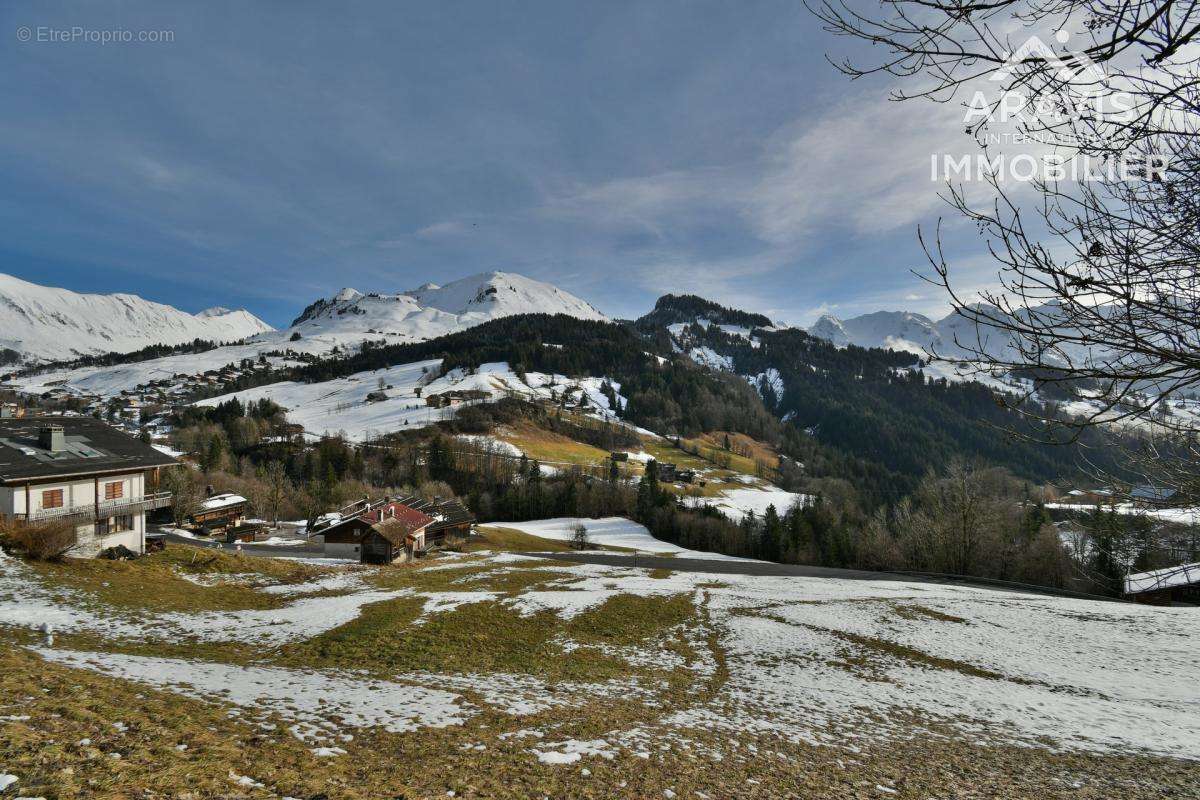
<point x="686" y="476"/>
<point x="454" y="397"/>
<point x="1179" y="584"/>
<point x="81" y="471"/>
<point x="666" y="471"/>
<point x="219" y="511"/>
<point x="395" y="538"/>
<point x="618" y="455"/>
<point x="343" y="536"/>
<point x="11" y="411"/>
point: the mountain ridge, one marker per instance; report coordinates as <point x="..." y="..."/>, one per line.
<point x="46" y="323"/>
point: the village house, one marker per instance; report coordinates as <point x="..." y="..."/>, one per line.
<point x="344" y="535"/>
<point x="398" y="537"/>
<point x="81" y="471"/>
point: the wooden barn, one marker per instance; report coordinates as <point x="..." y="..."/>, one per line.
<point x="1163" y="587"/>
<point x="220" y="511"/>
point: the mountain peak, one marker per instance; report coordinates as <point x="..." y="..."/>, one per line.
<point x="672" y="309"/>
<point x="45" y="323"/>
<point x="431" y="310"/>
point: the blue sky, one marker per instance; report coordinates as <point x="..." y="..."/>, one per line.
<point x="275" y="152"/>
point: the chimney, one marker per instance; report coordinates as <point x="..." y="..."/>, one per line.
<point x="50" y="437"/>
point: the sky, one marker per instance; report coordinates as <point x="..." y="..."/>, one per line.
<point x="268" y="154"/>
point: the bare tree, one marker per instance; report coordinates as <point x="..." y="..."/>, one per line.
<point x="185" y="493"/>
<point x="1098" y="289"/>
<point x="579" y="536"/>
<point x="277" y="489"/>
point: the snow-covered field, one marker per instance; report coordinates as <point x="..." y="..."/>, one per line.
<point x="609" y="532"/>
<point x="737" y="503"/>
<point x="812" y="660"/>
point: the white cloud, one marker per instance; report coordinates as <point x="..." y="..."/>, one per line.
<point x="442" y="230"/>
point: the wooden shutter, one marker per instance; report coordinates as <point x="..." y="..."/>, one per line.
<point x="114" y="490"/>
<point x="52" y="498"/>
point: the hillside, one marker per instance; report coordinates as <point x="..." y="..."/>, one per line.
<point x="505" y="676"/>
<point x="878" y="418"/>
<point x="40" y="323"/>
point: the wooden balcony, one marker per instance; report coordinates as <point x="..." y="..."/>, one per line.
<point x="102" y="510"/>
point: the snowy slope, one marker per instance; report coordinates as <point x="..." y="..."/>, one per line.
<point x="611" y="532"/>
<point x="49" y="324"/>
<point x="431" y="311"/>
<point x="356" y="405"/>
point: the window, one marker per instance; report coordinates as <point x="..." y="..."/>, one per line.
<point x="114" y="490"/>
<point x="114" y="525"/>
<point x="52" y="498"/>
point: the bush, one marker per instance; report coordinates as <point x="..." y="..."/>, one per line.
<point x="42" y="541"/>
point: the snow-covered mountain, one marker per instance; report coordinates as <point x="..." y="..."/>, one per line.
<point x="431" y="310"/>
<point x="341" y="323"/>
<point x="43" y="323"/>
<point x="890" y="330"/>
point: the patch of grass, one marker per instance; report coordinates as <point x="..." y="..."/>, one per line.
<point x="149" y="584"/>
<point x="549" y="447"/>
<point x="497" y="537"/>
<point x="744" y="455"/>
<point x="490" y="637"/>
<point x="661" y="573"/>
<point x="475" y="637"/>
<point x="201" y="561"/>
<point x="64" y="748"/>
<point x="514" y="581"/>
<point x="629" y="619"/>
<point x="919" y="613"/>
<point x="911" y="655"/>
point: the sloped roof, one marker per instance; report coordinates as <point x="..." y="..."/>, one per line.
<point x="397" y="529"/>
<point x="1152" y="493"/>
<point x="219" y="501"/>
<point x="92" y="447"/>
<point x="1158" y="579"/>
